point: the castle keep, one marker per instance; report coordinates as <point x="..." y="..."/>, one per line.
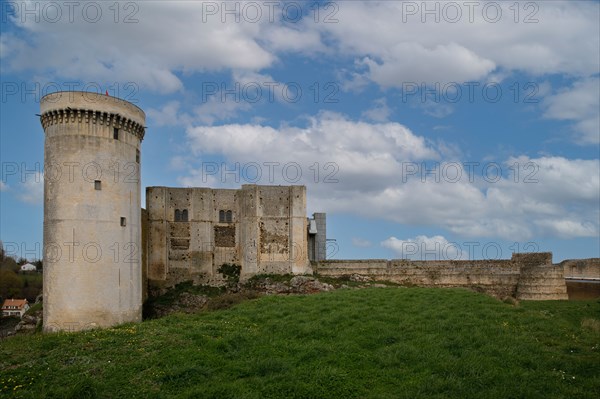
<point x="92" y="221"/>
<point x="193" y="231"/>
<point x="102" y="253"/>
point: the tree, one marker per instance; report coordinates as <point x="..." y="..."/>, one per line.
<point x="10" y="284"/>
<point x="9" y="264"/>
<point x="39" y="264"/>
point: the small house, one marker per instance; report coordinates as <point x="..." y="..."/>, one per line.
<point x="15" y="307"/>
<point x="28" y="267"/>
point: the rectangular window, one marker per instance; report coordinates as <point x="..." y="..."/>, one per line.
<point x="97" y="184"/>
<point x="115" y="133"/>
<point x="123" y="222"/>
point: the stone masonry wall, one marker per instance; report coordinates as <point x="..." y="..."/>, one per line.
<point x="582" y="268"/>
<point x="524" y="276"/>
<point x="264" y="232"/>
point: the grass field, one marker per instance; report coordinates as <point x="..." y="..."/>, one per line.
<point x="370" y="343"/>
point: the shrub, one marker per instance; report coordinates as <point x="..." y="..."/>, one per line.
<point x="231" y="272"/>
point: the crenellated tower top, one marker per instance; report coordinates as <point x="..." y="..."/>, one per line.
<point x="79" y="106"/>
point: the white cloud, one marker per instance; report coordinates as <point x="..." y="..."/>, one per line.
<point x="169" y="115"/>
<point x="579" y="103"/>
<point x="378" y="173"/>
<point x="566" y="228"/>
<point x="380" y="111"/>
<point x="358" y="155"/>
<point x="434" y="108"/>
<point x="351" y="81"/>
<point x="398" y="46"/>
<point x="415" y="63"/>
<point x="283" y="38"/>
<point x="217" y="108"/>
<point x="168" y="37"/>
<point x="3" y="186"/>
<point x="171" y="38"/>
<point x="31" y="190"/>
<point x="220" y="102"/>
<point x="425" y="248"/>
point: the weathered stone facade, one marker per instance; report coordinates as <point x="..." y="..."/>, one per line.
<point x="92" y="219"/>
<point x="193" y="231"/>
<point x="584" y="269"/>
<point x="524" y="276"/>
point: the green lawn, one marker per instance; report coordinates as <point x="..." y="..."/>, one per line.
<point x="370" y="343"/>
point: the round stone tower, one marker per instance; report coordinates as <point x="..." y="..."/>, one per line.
<point x="92" y="213"/>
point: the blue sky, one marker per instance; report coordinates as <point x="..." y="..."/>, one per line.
<point x="445" y="130"/>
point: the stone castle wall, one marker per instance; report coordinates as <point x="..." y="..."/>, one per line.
<point x="92" y="220"/>
<point x="588" y="269"/>
<point x="264" y="231"/>
<point x="524" y="276"/>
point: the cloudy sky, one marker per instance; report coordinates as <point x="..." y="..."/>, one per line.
<point x="424" y="130"/>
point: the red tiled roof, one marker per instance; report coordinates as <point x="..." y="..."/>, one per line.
<point x="19" y="303"/>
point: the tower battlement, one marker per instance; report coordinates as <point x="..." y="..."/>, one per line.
<point x="84" y="107"/>
<point x="92" y="101"/>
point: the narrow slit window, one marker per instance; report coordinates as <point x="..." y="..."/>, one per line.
<point x="97" y="184"/>
<point x="116" y="133"/>
<point x="137" y="156"/>
<point x="123" y="222"/>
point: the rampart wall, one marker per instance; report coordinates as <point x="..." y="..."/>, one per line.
<point x="524" y="276"/>
<point x="584" y="269"/>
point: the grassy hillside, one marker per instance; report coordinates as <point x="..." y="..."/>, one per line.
<point x="371" y="343"/>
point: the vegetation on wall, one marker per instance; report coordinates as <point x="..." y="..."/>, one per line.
<point x="231" y="273"/>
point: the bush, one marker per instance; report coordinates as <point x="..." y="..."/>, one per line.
<point x="231" y="272"/>
<point x="10" y="284"/>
